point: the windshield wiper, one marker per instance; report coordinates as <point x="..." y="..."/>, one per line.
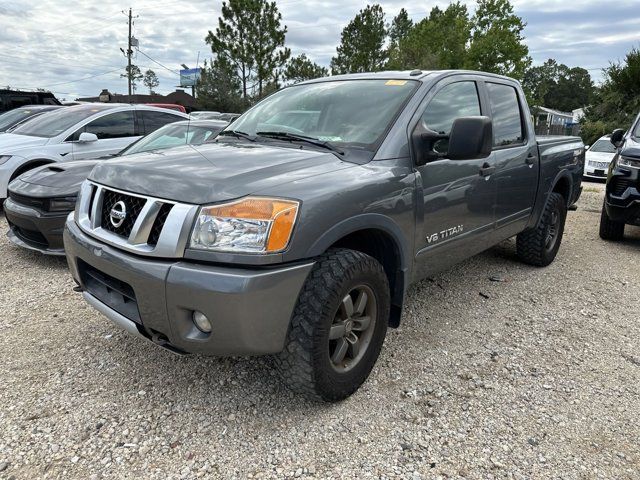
<point x="302" y="138"/>
<point x="237" y="134"/>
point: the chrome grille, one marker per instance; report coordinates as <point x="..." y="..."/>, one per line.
<point x="133" y="207"/>
<point x="151" y="227"/>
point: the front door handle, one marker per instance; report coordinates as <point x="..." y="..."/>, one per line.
<point x="531" y="159"/>
<point x="486" y="170"/>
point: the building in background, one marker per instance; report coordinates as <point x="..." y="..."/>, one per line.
<point x="554" y="122"/>
<point x="179" y="97"/>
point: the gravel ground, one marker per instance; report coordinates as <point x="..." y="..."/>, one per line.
<point x="499" y="370"/>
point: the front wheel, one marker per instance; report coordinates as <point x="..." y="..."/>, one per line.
<point x="338" y="326"/>
<point x="610" y="230"/>
<point x="539" y="246"/>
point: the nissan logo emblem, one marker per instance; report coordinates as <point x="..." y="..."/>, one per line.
<point x="118" y="213"/>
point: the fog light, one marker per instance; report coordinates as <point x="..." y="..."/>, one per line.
<point x="202" y="322"/>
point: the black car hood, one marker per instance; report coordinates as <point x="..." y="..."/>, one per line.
<point x="56" y="179"/>
<point x="214" y="172"/>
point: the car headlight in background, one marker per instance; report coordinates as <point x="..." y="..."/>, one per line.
<point x="4" y="158"/>
<point x="628" y="162"/>
<point x="62" y="204"/>
<point x="250" y="225"/>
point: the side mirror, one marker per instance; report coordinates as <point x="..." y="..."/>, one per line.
<point x="471" y="138"/>
<point x="616" y="137"/>
<point x="86" y="137"/>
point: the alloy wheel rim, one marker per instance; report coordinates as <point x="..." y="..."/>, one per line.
<point x="552" y="232"/>
<point x="352" y="328"/>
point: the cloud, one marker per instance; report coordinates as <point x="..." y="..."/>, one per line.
<point x="58" y="45"/>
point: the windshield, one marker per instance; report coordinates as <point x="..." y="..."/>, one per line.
<point x="9" y="119"/>
<point x="603" y="146"/>
<point x="349" y="113"/>
<point x="51" y="124"/>
<point x="173" y="135"/>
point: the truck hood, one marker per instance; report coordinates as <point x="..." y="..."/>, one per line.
<point x="214" y="172"/>
<point x="58" y="179"/>
<point x="9" y="142"/>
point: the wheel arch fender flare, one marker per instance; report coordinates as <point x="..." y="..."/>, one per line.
<point x="563" y="177"/>
<point x="363" y="221"/>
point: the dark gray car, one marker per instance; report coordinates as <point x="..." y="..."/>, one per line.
<point x="298" y="231"/>
<point x="40" y="200"/>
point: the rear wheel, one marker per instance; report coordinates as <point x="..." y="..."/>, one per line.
<point x="539" y="246"/>
<point x="610" y="230"/>
<point x="338" y="326"/>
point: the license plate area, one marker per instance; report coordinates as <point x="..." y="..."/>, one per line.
<point x="114" y="293"/>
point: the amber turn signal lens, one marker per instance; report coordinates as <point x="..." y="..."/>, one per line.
<point x="281" y="214"/>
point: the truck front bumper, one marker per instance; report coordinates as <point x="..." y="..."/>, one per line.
<point x="249" y="309"/>
<point x="622" y="199"/>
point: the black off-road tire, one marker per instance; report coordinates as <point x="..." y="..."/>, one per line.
<point x="539" y="246"/>
<point x="305" y="364"/>
<point x="610" y="230"/>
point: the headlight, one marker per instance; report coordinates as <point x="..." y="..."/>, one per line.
<point x="4" y="158"/>
<point x="62" y="204"/>
<point x="628" y="162"/>
<point x="251" y="225"/>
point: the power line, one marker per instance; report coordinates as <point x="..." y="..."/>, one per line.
<point x="155" y="61"/>
<point x="82" y="79"/>
<point x="54" y="62"/>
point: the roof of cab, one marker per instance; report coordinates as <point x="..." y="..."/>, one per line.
<point x="420" y="75"/>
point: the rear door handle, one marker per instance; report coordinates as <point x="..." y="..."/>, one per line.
<point x="486" y="170"/>
<point x="531" y="159"/>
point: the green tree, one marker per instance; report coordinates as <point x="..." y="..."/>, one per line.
<point x="220" y="88"/>
<point x="250" y="37"/>
<point x="399" y="28"/>
<point x="362" y="41"/>
<point x="537" y="81"/>
<point x="497" y="44"/>
<point x="301" y="68"/>
<point x="617" y="102"/>
<point x="135" y="74"/>
<point x="558" y="86"/>
<point x="439" y="41"/>
<point x="150" y="80"/>
<point x="270" y="53"/>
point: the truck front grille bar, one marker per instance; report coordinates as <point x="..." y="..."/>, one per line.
<point x="139" y="224"/>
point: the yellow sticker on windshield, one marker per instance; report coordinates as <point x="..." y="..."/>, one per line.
<point x="396" y="83"/>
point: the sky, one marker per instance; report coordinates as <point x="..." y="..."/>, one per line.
<point x="72" y="47"/>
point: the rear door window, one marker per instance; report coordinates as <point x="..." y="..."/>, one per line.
<point x="113" y="125"/>
<point x="151" y="121"/>
<point x="506" y="115"/>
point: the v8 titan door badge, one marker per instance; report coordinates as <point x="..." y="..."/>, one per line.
<point x="444" y="234"/>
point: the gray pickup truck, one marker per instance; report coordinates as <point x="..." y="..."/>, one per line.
<point x="298" y="231"/>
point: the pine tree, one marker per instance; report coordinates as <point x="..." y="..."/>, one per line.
<point x="361" y="47"/>
<point x="301" y="68"/>
<point x="150" y="80"/>
<point x="250" y="37"/>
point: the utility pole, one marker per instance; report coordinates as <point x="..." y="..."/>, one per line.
<point x="129" y="53"/>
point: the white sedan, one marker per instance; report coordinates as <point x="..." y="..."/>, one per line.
<point x="80" y="132"/>
<point x="598" y="158"/>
